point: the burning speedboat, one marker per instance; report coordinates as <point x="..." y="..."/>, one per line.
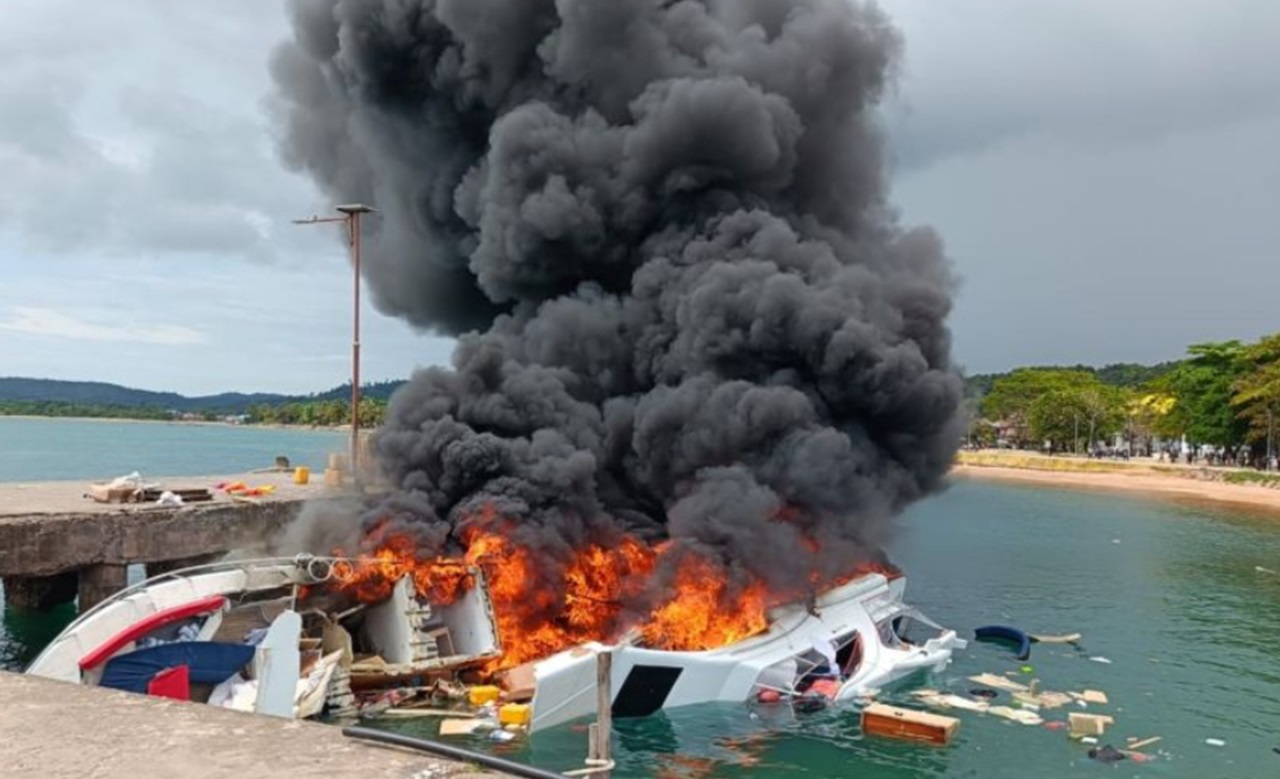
<point x="306" y="636"/>
<point x="847" y="643"/>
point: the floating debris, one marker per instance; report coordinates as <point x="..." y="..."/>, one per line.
<point x="999" y="682"/>
<point x="1146" y="742"/>
<point x="1107" y="754"/>
<point x="1021" y="716"/>
<point x="1003" y="634"/>
<point x="460" y="727"/>
<point x="1069" y="638"/>
<point x="908" y="725"/>
<point x="1088" y="724"/>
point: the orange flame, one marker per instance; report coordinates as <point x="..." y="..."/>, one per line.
<point x="703" y="614"/>
<point x="540" y="612"/>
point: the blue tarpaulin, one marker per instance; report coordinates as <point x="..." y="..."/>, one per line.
<point x="209" y="663"/>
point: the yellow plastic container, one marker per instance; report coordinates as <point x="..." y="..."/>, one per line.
<point x="515" y="714"/>
<point x="301" y="475"/>
<point x="482" y="694"/>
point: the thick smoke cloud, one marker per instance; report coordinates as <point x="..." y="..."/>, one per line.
<point x="686" y="308"/>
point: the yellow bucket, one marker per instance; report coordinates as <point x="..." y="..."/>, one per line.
<point x="301" y="475"/>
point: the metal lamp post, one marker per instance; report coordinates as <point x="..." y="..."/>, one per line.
<point x="351" y="214"/>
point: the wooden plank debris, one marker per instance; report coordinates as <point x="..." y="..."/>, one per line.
<point x="459" y="727"/>
<point x="1092" y="696"/>
<point x="420" y="712"/>
<point x="880" y="719"/>
<point x="1021" y="716"/>
<point x="1069" y="638"/>
<point x="998" y="682"/>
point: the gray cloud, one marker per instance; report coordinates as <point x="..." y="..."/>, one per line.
<point x="1102" y="172"/>
<point x="141" y="128"/>
<point x="1092" y="72"/>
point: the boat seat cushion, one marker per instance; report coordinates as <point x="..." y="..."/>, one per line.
<point x="208" y="662"/>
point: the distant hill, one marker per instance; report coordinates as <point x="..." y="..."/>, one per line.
<point x="103" y="394"/>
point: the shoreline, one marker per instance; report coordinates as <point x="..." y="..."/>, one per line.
<point x="1179" y="483"/>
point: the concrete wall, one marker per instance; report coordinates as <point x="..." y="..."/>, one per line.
<point x="48" y="559"/>
<point x="47" y="544"/>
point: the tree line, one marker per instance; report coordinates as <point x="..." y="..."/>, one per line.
<point x="318" y="413"/>
<point x="1223" y="399"/>
<point x="54" y="408"/>
<point x="313" y="413"/>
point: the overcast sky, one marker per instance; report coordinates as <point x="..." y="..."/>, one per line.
<point x="1104" y="173"/>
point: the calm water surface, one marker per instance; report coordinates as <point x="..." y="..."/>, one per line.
<point x="1170" y="594"/>
<point x="57" y="449"/>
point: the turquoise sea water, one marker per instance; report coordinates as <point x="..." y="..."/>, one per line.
<point x="1171" y="594"/>
<point x="58" y="449"/>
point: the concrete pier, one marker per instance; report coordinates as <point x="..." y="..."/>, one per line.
<point x="51" y="730"/>
<point x="57" y="544"/>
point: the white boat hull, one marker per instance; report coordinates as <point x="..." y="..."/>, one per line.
<point x="646" y="680"/>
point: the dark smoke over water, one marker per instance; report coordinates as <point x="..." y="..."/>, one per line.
<point x="686" y="308"/>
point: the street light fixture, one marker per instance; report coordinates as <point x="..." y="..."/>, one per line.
<point x="351" y="214"/>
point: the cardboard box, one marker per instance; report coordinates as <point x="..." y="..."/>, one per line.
<point x="334" y="477"/>
<point x="879" y="719"/>
<point x="105" y="493"/>
<point x="1079" y="724"/>
<point x="519" y="684"/>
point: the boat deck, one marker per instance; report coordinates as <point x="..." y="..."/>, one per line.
<point x="27" y="499"/>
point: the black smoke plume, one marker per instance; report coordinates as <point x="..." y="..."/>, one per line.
<point x="660" y="228"/>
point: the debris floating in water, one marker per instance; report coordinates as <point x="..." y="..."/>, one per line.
<point x="1107" y="754"/>
<point x="1100" y="659"/>
<point x="1069" y="638"/>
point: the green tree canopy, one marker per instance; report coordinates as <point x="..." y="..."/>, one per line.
<point x="1256" y="395"/>
<point x="1072" y="415"/>
<point x="1012" y="397"/>
<point x="1203" y="389"/>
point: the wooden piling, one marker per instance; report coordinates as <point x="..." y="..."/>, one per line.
<point x="600" y="751"/>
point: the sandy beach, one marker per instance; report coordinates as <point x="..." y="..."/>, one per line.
<point x="1177" y="482"/>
